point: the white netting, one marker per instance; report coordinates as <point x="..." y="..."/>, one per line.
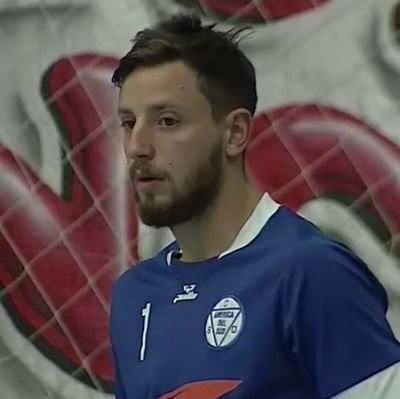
<point x="326" y="143"/>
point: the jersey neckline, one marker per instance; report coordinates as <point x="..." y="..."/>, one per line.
<point x="263" y="211"/>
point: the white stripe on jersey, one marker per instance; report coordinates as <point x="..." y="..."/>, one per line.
<point x="382" y="385"/>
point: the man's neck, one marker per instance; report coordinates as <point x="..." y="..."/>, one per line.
<point x="213" y="233"/>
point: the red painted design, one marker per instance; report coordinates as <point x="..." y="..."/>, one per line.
<point x="213" y="389"/>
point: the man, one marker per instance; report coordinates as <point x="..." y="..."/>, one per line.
<point x="251" y="301"/>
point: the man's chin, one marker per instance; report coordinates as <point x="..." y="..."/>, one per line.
<point x="155" y="215"/>
<point x="154" y="220"/>
<point x="152" y="202"/>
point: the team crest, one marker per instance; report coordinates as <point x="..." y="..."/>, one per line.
<point x="224" y="323"/>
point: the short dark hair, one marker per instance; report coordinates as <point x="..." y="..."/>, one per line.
<point x="226" y="76"/>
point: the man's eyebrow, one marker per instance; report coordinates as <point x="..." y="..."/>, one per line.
<point x="161" y="107"/>
<point x="153" y="108"/>
<point x="124" y="112"/>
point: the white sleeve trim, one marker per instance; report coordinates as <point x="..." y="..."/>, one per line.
<point x="383" y="385"/>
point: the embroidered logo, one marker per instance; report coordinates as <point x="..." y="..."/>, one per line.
<point x="224" y="323"/>
<point x="188" y="294"/>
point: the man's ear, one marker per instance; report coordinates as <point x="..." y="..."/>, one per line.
<point x="239" y="123"/>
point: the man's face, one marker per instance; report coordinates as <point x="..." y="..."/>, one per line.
<point x="173" y="145"/>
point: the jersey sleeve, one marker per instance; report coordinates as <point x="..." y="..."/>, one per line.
<point x="119" y="390"/>
<point x="334" y="320"/>
<point x="115" y="329"/>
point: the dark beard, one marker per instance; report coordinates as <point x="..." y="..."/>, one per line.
<point x="201" y="189"/>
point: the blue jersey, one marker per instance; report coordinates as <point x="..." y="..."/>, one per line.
<point x="286" y="314"/>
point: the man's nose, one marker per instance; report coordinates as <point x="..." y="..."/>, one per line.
<point x="139" y="143"/>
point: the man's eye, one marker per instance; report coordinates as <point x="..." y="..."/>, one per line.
<point x="128" y="124"/>
<point x="167" y="122"/>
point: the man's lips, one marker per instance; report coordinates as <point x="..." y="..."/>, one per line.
<point x="147" y="183"/>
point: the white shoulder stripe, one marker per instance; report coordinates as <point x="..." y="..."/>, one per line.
<point x="264" y="210"/>
<point x="383" y="385"/>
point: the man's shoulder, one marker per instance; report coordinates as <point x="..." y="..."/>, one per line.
<point x="318" y="249"/>
<point x="296" y="235"/>
<point x="143" y="271"/>
<point x="323" y="264"/>
<point x="304" y="246"/>
<point x="320" y="254"/>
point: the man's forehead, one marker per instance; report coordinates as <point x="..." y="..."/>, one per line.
<point x="174" y="75"/>
<point x="128" y="107"/>
<point x="158" y="97"/>
<point x="154" y="88"/>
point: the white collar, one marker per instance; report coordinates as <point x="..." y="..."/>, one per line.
<point x="263" y="211"/>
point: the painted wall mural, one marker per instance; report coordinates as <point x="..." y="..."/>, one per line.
<point x="326" y="142"/>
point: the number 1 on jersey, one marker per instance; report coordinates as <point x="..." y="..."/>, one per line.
<point x="146" y="317"/>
